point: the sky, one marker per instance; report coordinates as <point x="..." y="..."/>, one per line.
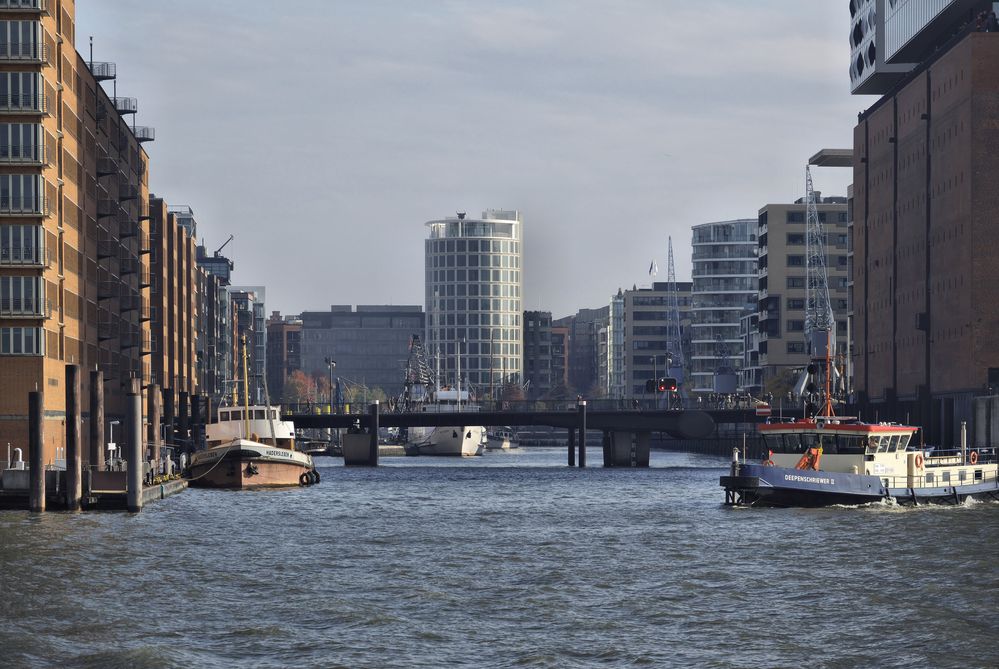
<point x="323" y="134"/>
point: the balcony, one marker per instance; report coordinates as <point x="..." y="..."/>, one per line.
<point x="103" y="71"/>
<point x="24" y="155"/>
<point x="145" y="245"/>
<point x="23" y="206"/>
<point x="127" y="227"/>
<point x="143" y="133"/>
<point x="108" y="325"/>
<point x="126" y="105"/>
<point x="24" y="6"/>
<point x="145" y="310"/>
<point x="144" y="214"/>
<point x="24" y="256"/>
<point x="128" y="266"/>
<point x="24" y="104"/>
<point x="24" y="52"/>
<point x="109" y="289"/>
<point x="108" y="247"/>
<point x="106" y="208"/>
<point x="130" y="300"/>
<point x="135" y="338"/>
<point x="17" y="307"/>
<point x="127" y="191"/>
<point x="145" y="278"/>
<point x="106" y="166"/>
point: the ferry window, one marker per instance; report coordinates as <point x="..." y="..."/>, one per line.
<point x="880" y="444"/>
<point x="828" y="443"/>
<point x="961" y="475"/>
<point x="849" y="445"/>
<point x="903" y="441"/>
<point x="223" y="415"/>
<point x="792" y="443"/>
<point x="978" y="474"/>
<point x="892" y="443"/>
<point x="945" y="477"/>
<point x="258" y="414"/>
<point x="775" y="443"/>
<point x="929" y="477"/>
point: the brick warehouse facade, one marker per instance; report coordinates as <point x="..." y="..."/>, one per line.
<point x="926" y="239"/>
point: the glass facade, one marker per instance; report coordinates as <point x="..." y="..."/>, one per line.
<point x="473" y="300"/>
<point x="724" y="291"/>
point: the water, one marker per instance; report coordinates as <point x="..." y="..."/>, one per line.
<point x="506" y="560"/>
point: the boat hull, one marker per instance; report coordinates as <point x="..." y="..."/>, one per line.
<point x="246" y="466"/>
<point x="455" y="440"/>
<point x="759" y="485"/>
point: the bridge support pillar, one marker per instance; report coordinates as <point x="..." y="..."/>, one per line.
<point x="360" y="449"/>
<point x="572" y="447"/>
<point x="626" y="449"/>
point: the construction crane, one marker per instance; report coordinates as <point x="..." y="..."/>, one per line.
<point x="218" y="251"/>
<point x="820" y="323"/>
<point x="674" y="337"/>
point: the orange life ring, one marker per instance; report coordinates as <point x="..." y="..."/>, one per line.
<point x="919" y="460"/>
<point x="973" y="458"/>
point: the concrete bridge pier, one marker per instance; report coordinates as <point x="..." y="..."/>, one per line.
<point x="626" y="449"/>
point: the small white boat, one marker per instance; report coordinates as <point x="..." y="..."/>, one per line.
<point x="502" y="439"/>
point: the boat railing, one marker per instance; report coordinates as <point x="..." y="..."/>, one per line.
<point x="973" y="475"/>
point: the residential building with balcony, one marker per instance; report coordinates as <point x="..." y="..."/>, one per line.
<point x="724" y="289"/>
<point x="74" y="256"/>
<point x="250" y="328"/>
<point x="216" y="353"/>
<point x="782" y="301"/>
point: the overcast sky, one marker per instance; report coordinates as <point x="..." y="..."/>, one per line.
<point x="323" y="134"/>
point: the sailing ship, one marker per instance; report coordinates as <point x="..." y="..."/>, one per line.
<point x="249" y="446"/>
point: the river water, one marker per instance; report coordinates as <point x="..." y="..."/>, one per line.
<point x="508" y="560"/>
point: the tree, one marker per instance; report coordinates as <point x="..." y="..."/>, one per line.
<point x="299" y="388"/>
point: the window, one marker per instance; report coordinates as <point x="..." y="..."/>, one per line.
<point x="795" y="282"/>
<point x="20" y="40"/>
<point x="795" y="303"/>
<point x="20" y="142"/>
<point x="21" y="295"/>
<point x="795" y="326"/>
<point x="796" y="261"/>
<point x="22" y="341"/>
<point x="795" y="347"/>
<point x="20" y="244"/>
<point x="20" y="193"/>
<point x="21" y="90"/>
<point x="795" y="239"/>
<point x="795" y="217"/>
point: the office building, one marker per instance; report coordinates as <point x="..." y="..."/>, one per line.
<point x="73" y="239"/>
<point x="560" y="362"/>
<point x="724" y="290"/>
<point x="216" y="353"/>
<point x="537" y="354"/>
<point x="249" y="326"/>
<point x="284" y="351"/>
<point x="369" y="343"/>
<point x="925" y="231"/>
<point x="473" y="299"/>
<point x="587" y="355"/>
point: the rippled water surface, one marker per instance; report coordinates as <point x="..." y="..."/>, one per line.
<point x="510" y="559"/>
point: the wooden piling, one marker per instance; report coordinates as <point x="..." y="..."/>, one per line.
<point x="133" y="428"/>
<point x="169" y="417"/>
<point x="572" y="447"/>
<point x="36" y="438"/>
<point x="154" y="423"/>
<point x="373" y="447"/>
<point x="183" y="422"/>
<point x="74" y="438"/>
<point x="582" y="433"/>
<point x="97" y="420"/>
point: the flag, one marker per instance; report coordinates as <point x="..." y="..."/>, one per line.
<point x="653" y="269"/>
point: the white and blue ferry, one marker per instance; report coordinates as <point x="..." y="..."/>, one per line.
<point x="830" y="460"/>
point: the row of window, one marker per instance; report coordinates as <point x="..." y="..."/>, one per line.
<point x="448" y="336"/>
<point x="21" y="244"/>
<point x="21" y="193"/>
<point x="472" y="246"/>
<point x="461" y="275"/>
<point x="22" y="341"/>
<point x="835" y="283"/>
<point x="474" y="260"/>
<point x="21" y="39"/>
<point x="824" y="217"/>
<point x="21" y="91"/>
<point x="21" y="142"/>
<point x="21" y="295"/>
<point x="463" y="318"/>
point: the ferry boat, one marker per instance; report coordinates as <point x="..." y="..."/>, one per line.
<point x="456" y="440"/>
<point x="829" y="460"/>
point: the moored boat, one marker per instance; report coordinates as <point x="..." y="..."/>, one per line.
<point x="238" y="456"/>
<point x="502" y="439"/>
<point x="829" y="460"/>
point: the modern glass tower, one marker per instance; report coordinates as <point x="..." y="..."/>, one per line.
<point x="724" y="290"/>
<point x="473" y="300"/>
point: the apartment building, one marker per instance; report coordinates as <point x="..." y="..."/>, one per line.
<point x="537" y="354"/>
<point x="74" y="243"/>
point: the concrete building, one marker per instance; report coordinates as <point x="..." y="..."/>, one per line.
<point x="473" y="298"/>
<point x="560" y="362"/>
<point x="537" y="354"/>
<point x="284" y="351"/>
<point x="725" y="284"/>
<point x="782" y="285"/>
<point x="216" y="352"/>
<point x="616" y="354"/>
<point x="926" y="234"/>
<point x="370" y="344"/>
<point x="250" y="329"/>
<point x="73" y="242"/>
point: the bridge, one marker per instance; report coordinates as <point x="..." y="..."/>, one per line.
<point x="626" y="425"/>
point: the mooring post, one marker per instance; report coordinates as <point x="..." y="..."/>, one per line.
<point x="572" y="447"/>
<point x="373" y="447"/>
<point x="169" y="433"/>
<point x="196" y="422"/>
<point x="154" y="424"/>
<point x="74" y="440"/>
<point x="36" y="484"/>
<point x="97" y="420"/>
<point x="183" y="424"/>
<point x="133" y="422"/>
<point x="582" y="433"/>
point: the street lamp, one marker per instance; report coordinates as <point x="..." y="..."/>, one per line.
<point x="331" y="363"/>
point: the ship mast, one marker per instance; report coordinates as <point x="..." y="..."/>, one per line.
<point x="246" y="393"/>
